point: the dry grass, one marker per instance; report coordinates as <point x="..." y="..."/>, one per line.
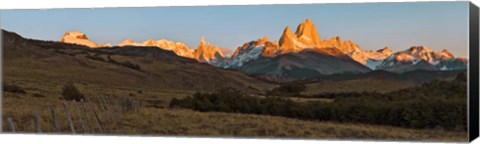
<point x="154" y="119"/>
<point x="150" y="121"/>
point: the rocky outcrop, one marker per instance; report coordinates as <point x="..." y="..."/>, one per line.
<point x="80" y="38"/>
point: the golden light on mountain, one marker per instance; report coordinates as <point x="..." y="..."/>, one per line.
<point x="306" y="36"/>
<point x="307" y="33"/>
<point x="78" y="38"/>
<point x="207" y="52"/>
<point x="270" y="49"/>
<point x="287" y="40"/>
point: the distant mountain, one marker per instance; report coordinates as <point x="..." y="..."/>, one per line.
<point x="81" y="39"/>
<point x="299" y="55"/>
<point x="247" y="52"/>
<point x="422" y="58"/>
<point x="252" y="56"/>
<point x="205" y="52"/>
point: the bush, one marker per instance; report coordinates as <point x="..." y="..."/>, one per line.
<point x="13" y="89"/>
<point x="438" y="104"/>
<point x="70" y="92"/>
<point x="38" y="95"/>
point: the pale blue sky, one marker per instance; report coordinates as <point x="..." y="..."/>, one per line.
<point x="438" y="25"/>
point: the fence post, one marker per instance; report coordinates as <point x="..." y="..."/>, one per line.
<point x="54" y="117"/>
<point x="108" y="108"/>
<point x="79" y="116"/>
<point x="69" y="117"/>
<point x="98" y="121"/>
<point x="99" y="101"/>
<point x="85" y="116"/>
<point x="37" y="122"/>
<point x="10" y="122"/>
<point x="134" y="105"/>
<point x="117" y="104"/>
<point x="104" y="100"/>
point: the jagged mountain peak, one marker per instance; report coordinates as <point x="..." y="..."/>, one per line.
<point x="307" y="33"/>
<point x="306" y="36"/>
<point x="349" y="47"/>
<point x="263" y="40"/>
<point x="288" y="38"/>
<point x="447" y="54"/>
<point x="419" y="49"/>
<point x="206" y="52"/>
<point x="287" y="30"/>
<point x="203" y="40"/>
<point x="385" y="50"/>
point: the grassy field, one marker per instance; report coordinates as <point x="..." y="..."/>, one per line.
<point x="155" y="118"/>
<point x="192" y="123"/>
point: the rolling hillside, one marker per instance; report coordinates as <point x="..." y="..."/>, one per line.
<point x="54" y="63"/>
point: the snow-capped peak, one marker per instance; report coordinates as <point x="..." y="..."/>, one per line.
<point x="247" y="52"/>
<point x="421" y="57"/>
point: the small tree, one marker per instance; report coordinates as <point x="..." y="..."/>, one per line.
<point x="70" y="92"/>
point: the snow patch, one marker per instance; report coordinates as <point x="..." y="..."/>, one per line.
<point x="372" y="64"/>
<point x="245" y="56"/>
<point x="415" y="62"/>
<point x="444" y="68"/>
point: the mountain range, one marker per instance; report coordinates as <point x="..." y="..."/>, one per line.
<point x="53" y="63"/>
<point x="205" y="51"/>
<point x="300" y="55"/>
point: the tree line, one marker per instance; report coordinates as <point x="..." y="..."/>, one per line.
<point x="438" y="104"/>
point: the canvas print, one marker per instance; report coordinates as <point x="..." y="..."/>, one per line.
<point x="369" y="71"/>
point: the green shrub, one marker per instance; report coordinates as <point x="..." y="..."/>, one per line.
<point x="70" y="92"/>
<point x="38" y="95"/>
<point x="13" y="88"/>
